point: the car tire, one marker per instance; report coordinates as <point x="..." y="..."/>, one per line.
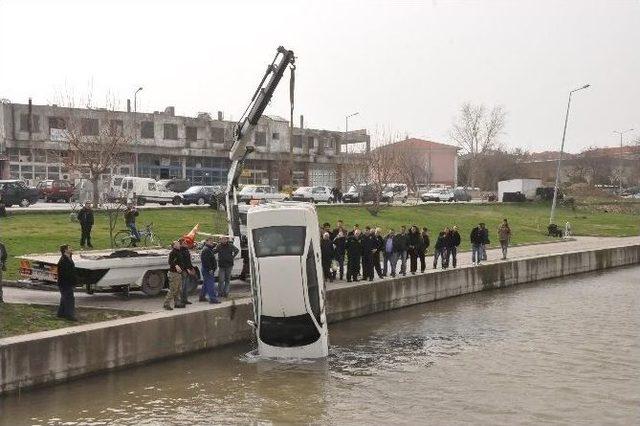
<point x="163" y="204"/>
<point x="153" y="282"/>
<point x="141" y="201"/>
<point x="200" y="201"/>
<point x="24" y="203"/>
<point x="175" y="201"/>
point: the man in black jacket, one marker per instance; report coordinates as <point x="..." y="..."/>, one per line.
<point x="339" y="242"/>
<point x="175" y="278"/>
<point x="85" y="217"/>
<point x="422" y="252"/>
<point x="452" y="247"/>
<point x="439" y="249"/>
<point x="209" y="266"/>
<point x="66" y="283"/>
<point x="327" y="251"/>
<point x="368" y="248"/>
<point x="3" y="266"/>
<point x="130" y="215"/>
<point x="354" y="255"/>
<point x="226" y="252"/>
<point x="188" y="271"/>
<point x="476" y="238"/>
<point x="414" y="242"/>
<point x="379" y="250"/>
<point x="401" y="245"/>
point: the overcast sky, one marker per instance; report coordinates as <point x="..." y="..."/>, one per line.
<point x="405" y="66"/>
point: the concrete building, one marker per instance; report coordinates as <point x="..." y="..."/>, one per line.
<point x="32" y="146"/>
<point x="436" y="163"/>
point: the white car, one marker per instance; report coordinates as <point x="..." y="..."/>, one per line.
<point x="146" y="190"/>
<point x="438" y="194"/>
<point x="260" y="192"/>
<point x="313" y="194"/>
<point x="395" y="192"/>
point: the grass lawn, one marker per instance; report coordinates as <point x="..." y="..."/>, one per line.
<point x="18" y="319"/>
<point x="39" y="232"/>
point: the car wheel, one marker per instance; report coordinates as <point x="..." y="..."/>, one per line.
<point x="200" y="201"/>
<point x="141" y="201"/>
<point x="24" y="203"/>
<point x="175" y="201"/>
<point x="163" y="204"/>
<point x="153" y="282"/>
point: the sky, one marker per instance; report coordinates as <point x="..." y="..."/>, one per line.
<point x="405" y="66"/>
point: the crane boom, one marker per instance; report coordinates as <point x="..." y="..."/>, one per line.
<point x="245" y="127"/>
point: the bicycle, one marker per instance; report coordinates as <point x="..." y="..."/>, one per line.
<point x="124" y="237"/>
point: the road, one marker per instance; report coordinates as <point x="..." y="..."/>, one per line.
<point x="138" y="301"/>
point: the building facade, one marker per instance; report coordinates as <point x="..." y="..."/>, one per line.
<point x="163" y="145"/>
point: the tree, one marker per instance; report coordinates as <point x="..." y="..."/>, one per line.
<point x="94" y="146"/>
<point x="477" y="131"/>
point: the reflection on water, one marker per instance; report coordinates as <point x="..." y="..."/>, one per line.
<point x="560" y="351"/>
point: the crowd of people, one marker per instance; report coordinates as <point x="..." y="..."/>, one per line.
<point x="364" y="253"/>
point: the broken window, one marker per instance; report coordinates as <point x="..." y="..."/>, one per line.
<point x="297" y="141"/>
<point x="217" y="134"/>
<point x="116" y="128"/>
<point x="311" y="142"/>
<point x="170" y="131"/>
<point x="260" y="139"/>
<point x="27" y="125"/>
<point x="57" y="123"/>
<point x="147" y="130"/>
<point x="89" y="126"/>
<point x="192" y="133"/>
<point x="275" y="136"/>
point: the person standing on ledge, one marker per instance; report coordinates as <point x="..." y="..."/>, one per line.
<point x="175" y="278"/>
<point x="476" y="238"/>
<point x="66" y="283"/>
<point x="85" y="217"/>
<point x="3" y="266"/>
<point x="209" y="266"/>
<point x="188" y="271"/>
<point x="226" y="252"/>
<point x="504" y="235"/>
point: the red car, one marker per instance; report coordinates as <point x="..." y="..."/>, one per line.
<point x="54" y="190"/>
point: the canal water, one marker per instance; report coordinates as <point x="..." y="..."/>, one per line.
<point x="559" y="351"/>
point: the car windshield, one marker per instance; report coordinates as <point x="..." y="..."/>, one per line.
<point x="279" y="241"/>
<point x="193" y="190"/>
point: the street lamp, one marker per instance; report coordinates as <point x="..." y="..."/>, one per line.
<point x="621" y="158"/>
<point x="346" y="121"/>
<point x="135" y="130"/>
<point x="564" y="133"/>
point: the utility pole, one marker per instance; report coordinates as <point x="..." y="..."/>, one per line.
<point x="135" y="130"/>
<point x="621" y="156"/>
<point x="564" y="134"/>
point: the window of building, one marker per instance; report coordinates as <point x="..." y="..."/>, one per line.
<point x="116" y="128"/>
<point x="311" y="142"/>
<point x="147" y="130"/>
<point x="192" y="133"/>
<point x="27" y="125"/>
<point x="57" y="123"/>
<point x="217" y="134"/>
<point x="40" y="156"/>
<point x="275" y="136"/>
<point x="89" y="126"/>
<point x="328" y="143"/>
<point x="260" y="139"/>
<point x="170" y="131"/>
<point x="297" y="141"/>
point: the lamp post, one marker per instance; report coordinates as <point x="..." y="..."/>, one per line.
<point x="564" y="133"/>
<point x="135" y="129"/>
<point x="346" y="124"/>
<point x="621" y="158"/>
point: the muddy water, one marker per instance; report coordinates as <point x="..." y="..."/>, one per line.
<point x="560" y="351"/>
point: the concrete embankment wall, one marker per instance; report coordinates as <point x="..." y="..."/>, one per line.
<point x="58" y="355"/>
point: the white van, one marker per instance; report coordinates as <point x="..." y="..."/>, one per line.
<point x="146" y="190"/>
<point x="287" y="281"/>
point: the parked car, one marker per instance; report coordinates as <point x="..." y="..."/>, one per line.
<point x="359" y="193"/>
<point x="438" y="194"/>
<point x="461" y="194"/>
<point x="200" y="194"/>
<point x="17" y="192"/>
<point x="51" y="190"/>
<point x="395" y="192"/>
<point x="147" y="190"/>
<point x="313" y="194"/>
<point x="260" y="192"/>
<point x="175" y="185"/>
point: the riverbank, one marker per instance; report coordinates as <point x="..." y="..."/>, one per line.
<point x="47" y="357"/>
<point x="39" y="232"/>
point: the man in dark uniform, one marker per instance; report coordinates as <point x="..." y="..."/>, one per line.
<point x="368" y="247"/>
<point x="85" y="217"/>
<point x="379" y="240"/>
<point x="66" y="283"/>
<point x="401" y="244"/>
<point x="354" y="254"/>
<point x="188" y="271"/>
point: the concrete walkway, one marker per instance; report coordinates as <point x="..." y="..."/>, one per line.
<point x="137" y="301"/>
